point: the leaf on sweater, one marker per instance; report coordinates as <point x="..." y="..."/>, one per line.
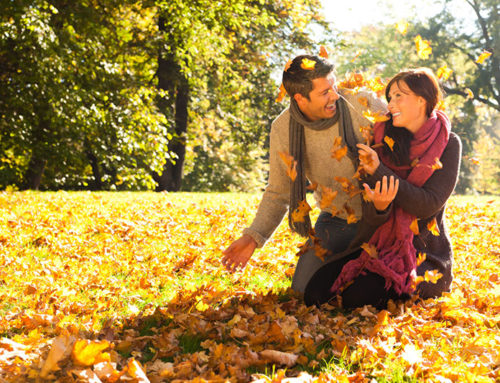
<point x="291" y="165"/>
<point x="390" y="142"/>
<point x="363" y="101"/>
<point x="421" y="258"/>
<point x="313" y="186"/>
<point x="483" y="57"/>
<point x="414" y="227"/>
<point x="327" y="197"/>
<point x="301" y="211"/>
<point x="367" y="133"/>
<point x="307" y="64"/>
<point x="374" y="117"/>
<point x="432" y="226"/>
<point x="282" y="94"/>
<point x="424" y="49"/>
<point x="370" y="249"/>
<point x="323" y="52"/>
<point x="432" y="276"/>
<point x="444" y="72"/>
<point x="338" y="151"/>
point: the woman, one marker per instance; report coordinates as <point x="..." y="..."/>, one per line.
<point x="413" y="172"/>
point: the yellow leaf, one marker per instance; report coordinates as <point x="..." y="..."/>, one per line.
<point x="421" y="258"/>
<point x="287" y="65"/>
<point x="444" y="72"/>
<point x="433" y="227"/>
<point x="87" y="353"/>
<point x="414" y="227"/>
<point x="432" y="276"/>
<point x="135" y="371"/>
<point x="374" y="117"/>
<point x="469" y="92"/>
<point x="307" y="64"/>
<point x="59" y="349"/>
<point x="291" y="165"/>
<point x="301" y="211"/>
<point x="483" y="56"/>
<point x="390" y="142"/>
<point x="370" y="249"/>
<point x="402" y="27"/>
<point x="424" y="49"/>
<point x="437" y="164"/>
<point x="363" y="101"/>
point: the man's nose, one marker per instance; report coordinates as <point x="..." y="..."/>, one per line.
<point x="333" y="93"/>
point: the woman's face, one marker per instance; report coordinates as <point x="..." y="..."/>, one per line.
<point x="407" y="109"/>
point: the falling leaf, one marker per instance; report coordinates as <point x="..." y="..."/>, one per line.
<point x="437" y="164"/>
<point x="374" y="117"/>
<point x="390" y="142"/>
<point x="421" y="258"/>
<point x="319" y="251"/>
<point x="483" y="56"/>
<point x="441" y="105"/>
<point x="367" y="133"/>
<point x="433" y="227"/>
<point x="469" y="93"/>
<point x="322" y="52"/>
<point x="444" y="72"/>
<point x="402" y="27"/>
<point x="288" y="64"/>
<point x="370" y="249"/>
<point x="327" y="197"/>
<point x="432" y="276"/>
<point x="307" y="64"/>
<point x="291" y="165"/>
<point x="415" y="162"/>
<point x="313" y="186"/>
<point x="363" y="101"/>
<point x="301" y="211"/>
<point x="358" y="53"/>
<point x="285" y="358"/>
<point x="414" y="227"/>
<point x="87" y="353"/>
<point x="282" y="94"/>
<point x="339" y="153"/>
<point x="424" y="49"/>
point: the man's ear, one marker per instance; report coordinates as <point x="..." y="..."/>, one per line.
<point x="299" y="98"/>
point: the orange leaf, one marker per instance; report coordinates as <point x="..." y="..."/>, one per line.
<point x="437" y="164"/>
<point x="301" y="211"/>
<point x="374" y="117"/>
<point x="390" y="142"/>
<point x="415" y="162"/>
<point x="424" y="49"/>
<point x="363" y="101"/>
<point x="59" y="349"/>
<point x="322" y="52"/>
<point x="421" y="258"/>
<point x="291" y="165"/>
<point x="281" y="94"/>
<point x="307" y="64"/>
<point x="433" y="227"/>
<point x="358" y="53"/>
<point x="414" y="226"/>
<point x="469" y="92"/>
<point x="327" y="197"/>
<point x="367" y="133"/>
<point x="312" y="186"/>
<point x="320" y="251"/>
<point x="288" y="64"/>
<point x="432" y="276"/>
<point x="370" y="249"/>
<point x="351" y="217"/>
<point x="87" y="353"/>
<point x="483" y="57"/>
<point x="136" y="371"/>
<point x="444" y="72"/>
<point x="339" y="153"/>
<point x="402" y="27"/>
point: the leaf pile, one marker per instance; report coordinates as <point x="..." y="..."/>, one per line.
<point x="108" y="287"/>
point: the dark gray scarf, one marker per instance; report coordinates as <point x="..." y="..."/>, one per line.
<point x="298" y="147"/>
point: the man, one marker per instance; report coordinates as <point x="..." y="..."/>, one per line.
<point x="306" y="130"/>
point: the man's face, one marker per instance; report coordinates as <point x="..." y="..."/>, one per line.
<point x="322" y="98"/>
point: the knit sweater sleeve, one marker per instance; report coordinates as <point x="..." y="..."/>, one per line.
<point x="275" y="199"/>
<point x="425" y="201"/>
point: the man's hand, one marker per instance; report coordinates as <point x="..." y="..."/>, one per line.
<point x="236" y="256"/>
<point x="383" y="193"/>
<point x="368" y="158"/>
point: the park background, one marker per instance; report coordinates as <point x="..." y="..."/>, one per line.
<point x="100" y="96"/>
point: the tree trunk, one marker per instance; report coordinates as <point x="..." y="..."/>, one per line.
<point x="34" y="173"/>
<point x="96" y="171"/>
<point x="172" y="80"/>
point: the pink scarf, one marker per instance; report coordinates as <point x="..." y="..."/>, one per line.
<point x="396" y="260"/>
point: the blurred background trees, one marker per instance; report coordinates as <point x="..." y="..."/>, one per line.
<point x="180" y="94"/>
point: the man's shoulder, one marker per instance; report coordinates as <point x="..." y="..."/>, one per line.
<point x="281" y="122"/>
<point x="364" y="99"/>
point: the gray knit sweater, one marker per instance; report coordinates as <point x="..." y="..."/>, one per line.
<point x="320" y="167"/>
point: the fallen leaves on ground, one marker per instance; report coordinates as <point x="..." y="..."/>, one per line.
<point x="112" y="287"/>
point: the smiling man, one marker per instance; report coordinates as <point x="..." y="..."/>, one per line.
<point x="317" y="115"/>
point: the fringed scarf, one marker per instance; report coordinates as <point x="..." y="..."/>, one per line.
<point x="396" y="258"/>
<point x="298" y="148"/>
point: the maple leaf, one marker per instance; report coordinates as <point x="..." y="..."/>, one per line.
<point x="285" y="358"/>
<point x="437" y="164"/>
<point x="483" y="57"/>
<point x="339" y="153"/>
<point x="282" y="94"/>
<point x="307" y="64"/>
<point x="351" y="217"/>
<point x="414" y="227"/>
<point x="367" y="133"/>
<point x="374" y="117"/>
<point x="390" y="142"/>
<point x="424" y="49"/>
<point x="363" y="101"/>
<point x="421" y="258"/>
<point x="402" y="27"/>
<point x="323" y="52"/>
<point x="327" y="197"/>
<point x="291" y="165"/>
<point x="301" y="211"/>
<point x="87" y="353"/>
<point x="433" y="227"/>
<point x="61" y="347"/>
<point x="432" y="276"/>
<point x="444" y="72"/>
<point x="370" y="249"/>
<point x="288" y="64"/>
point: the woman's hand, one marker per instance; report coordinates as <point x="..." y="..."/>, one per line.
<point x="368" y="158"/>
<point x="383" y="193"/>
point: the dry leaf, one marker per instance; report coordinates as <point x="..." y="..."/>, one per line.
<point x="282" y="94"/>
<point x="375" y="117"/>
<point x="291" y="165"/>
<point x="288" y="64"/>
<point x="327" y="197"/>
<point x="363" y="101"/>
<point x="432" y="276"/>
<point x="432" y="226"/>
<point x="483" y="57"/>
<point x="307" y="64"/>
<point x="421" y="258"/>
<point x="301" y="211"/>
<point x="444" y="72"/>
<point x="402" y="27"/>
<point x="284" y="358"/>
<point x="414" y="226"/>
<point x="135" y="371"/>
<point x="323" y="52"/>
<point x="370" y="249"/>
<point x="390" y="142"/>
<point x="424" y="49"/>
<point x="87" y="353"/>
<point x="61" y="348"/>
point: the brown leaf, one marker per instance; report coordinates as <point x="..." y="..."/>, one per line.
<point x="285" y="358"/>
<point x="327" y="197"/>
<point x="61" y="348"/>
<point x="290" y="163"/>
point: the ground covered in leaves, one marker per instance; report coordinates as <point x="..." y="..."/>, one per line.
<point x="107" y="287"/>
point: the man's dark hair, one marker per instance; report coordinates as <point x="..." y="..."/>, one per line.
<point x="296" y="79"/>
